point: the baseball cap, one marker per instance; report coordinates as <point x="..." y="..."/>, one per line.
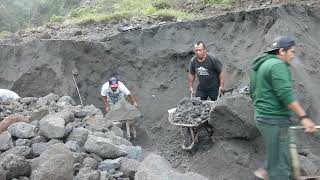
<point x="113" y="82"/>
<point x="281" y="42"/>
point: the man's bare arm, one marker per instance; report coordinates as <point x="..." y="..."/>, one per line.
<point x="191" y="78"/>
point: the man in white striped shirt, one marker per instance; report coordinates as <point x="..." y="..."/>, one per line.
<point x="114" y="90"/>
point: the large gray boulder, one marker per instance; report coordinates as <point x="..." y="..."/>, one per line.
<point x="129" y="167"/>
<point x="233" y="117"/>
<point x="22" y="130"/>
<point x="66" y="114"/>
<point x="109" y="165"/>
<point x="307" y="166"/>
<point x="11" y="119"/>
<point x="79" y="135"/>
<point x="88" y="174"/>
<point x="38" y="114"/>
<point x="92" y="110"/>
<point x="123" y="111"/>
<point x="89" y="162"/>
<point x="133" y="152"/>
<point x="155" y="167"/>
<point x="66" y="100"/>
<point x="98" y="123"/>
<point x="73" y="146"/>
<point x="43" y="101"/>
<point x="5" y="141"/>
<point x="38" y="148"/>
<point x="56" y="163"/>
<point x="15" y="166"/>
<point x="23" y="142"/>
<point x="103" y="147"/>
<point x="52" y="127"/>
<point x="23" y="151"/>
<point x="80" y="113"/>
<point x="116" y="140"/>
<point x="28" y="100"/>
<point x="3" y="173"/>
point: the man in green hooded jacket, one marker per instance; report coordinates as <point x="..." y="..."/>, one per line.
<point x="271" y="90"/>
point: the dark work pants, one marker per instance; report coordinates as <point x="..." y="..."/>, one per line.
<point x="204" y="94"/>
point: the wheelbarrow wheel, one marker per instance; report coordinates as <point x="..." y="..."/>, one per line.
<point x="187" y="137"/>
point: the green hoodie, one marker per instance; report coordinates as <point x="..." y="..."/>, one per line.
<point x="271" y="87"/>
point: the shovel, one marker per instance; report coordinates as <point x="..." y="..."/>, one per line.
<point x="74" y="73"/>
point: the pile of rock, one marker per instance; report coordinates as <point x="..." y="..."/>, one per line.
<point x="191" y="111"/>
<point x="53" y="138"/>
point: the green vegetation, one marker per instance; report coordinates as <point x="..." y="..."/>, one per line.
<point x="4" y="34"/>
<point x="21" y="14"/>
<point x="56" y="19"/>
<point x="125" y="9"/>
<point x="15" y="14"/>
<point x="218" y="2"/>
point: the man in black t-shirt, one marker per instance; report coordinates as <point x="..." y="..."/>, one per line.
<point x="211" y="81"/>
<point x="209" y="72"/>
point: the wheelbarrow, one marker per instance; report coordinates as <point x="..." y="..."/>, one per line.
<point x="294" y="156"/>
<point x="192" y="128"/>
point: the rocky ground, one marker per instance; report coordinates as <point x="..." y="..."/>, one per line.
<point x="153" y="63"/>
<point x="52" y="138"/>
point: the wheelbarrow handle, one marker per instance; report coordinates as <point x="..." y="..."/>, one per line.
<point x="301" y="127"/>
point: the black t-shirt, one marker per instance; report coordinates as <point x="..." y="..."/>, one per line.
<point x="207" y="71"/>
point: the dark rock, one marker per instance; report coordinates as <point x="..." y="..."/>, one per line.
<point x="15" y="166"/>
<point x="233" y="117"/>
<point x="80" y="113"/>
<point x="23" y="151"/>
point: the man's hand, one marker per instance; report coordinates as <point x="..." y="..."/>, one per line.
<point x="191" y="91"/>
<point x="221" y="90"/>
<point x="107" y="109"/>
<point x="309" y="125"/>
<point x="135" y="104"/>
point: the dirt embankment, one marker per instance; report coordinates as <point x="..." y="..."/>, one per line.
<point x="153" y="63"/>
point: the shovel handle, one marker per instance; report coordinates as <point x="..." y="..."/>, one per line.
<point x="301" y="127"/>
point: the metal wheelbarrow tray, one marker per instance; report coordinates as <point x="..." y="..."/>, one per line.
<point x="191" y="127"/>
